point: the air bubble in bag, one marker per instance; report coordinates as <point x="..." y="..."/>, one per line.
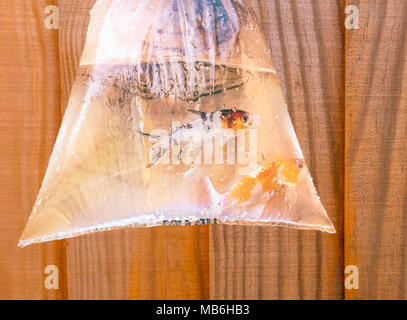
<point x="176" y="117"/>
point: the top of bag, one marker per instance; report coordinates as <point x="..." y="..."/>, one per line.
<point x="157" y="31"/>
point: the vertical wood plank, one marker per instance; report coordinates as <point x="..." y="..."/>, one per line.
<point x="153" y="263"/>
<point x="376" y="150"/>
<point x="307" y="42"/>
<point x="29" y="120"/>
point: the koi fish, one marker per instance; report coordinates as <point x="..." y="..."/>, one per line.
<point x="228" y="118"/>
<point x="200" y="127"/>
<point x="268" y="180"/>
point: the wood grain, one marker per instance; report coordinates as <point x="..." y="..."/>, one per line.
<point x="357" y="155"/>
<point x="158" y="263"/>
<point x="376" y="150"/>
<point x="29" y="120"/>
<point x="307" y="42"/>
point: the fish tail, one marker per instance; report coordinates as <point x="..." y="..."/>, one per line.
<point x="149" y="136"/>
<point x="156" y="156"/>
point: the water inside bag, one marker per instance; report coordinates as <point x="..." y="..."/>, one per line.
<point x="176" y="117"/>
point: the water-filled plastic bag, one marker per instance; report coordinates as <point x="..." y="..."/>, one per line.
<point x="176" y="117"/>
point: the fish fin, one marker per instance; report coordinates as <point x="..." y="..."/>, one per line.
<point x="149" y="136"/>
<point x="201" y="113"/>
<point x="280" y="204"/>
<point x="156" y="156"/>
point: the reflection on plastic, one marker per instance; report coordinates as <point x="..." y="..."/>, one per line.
<point x="176" y="117"/>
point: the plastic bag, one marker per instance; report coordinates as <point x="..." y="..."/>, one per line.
<point x="176" y="117"/>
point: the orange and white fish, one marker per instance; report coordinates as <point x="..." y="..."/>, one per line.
<point x="266" y="182"/>
<point x="199" y="128"/>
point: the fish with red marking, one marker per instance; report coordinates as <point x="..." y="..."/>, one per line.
<point x="267" y="182"/>
<point x="190" y="135"/>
